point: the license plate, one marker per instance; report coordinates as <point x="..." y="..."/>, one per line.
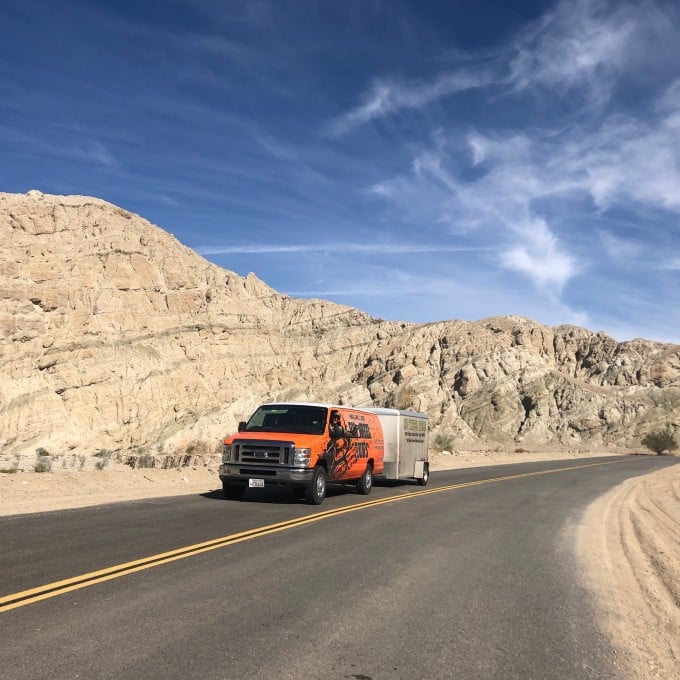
<point x="256" y="483"/>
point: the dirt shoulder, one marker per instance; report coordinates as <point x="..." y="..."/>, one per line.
<point x="26" y="492"/>
<point x="629" y="545"/>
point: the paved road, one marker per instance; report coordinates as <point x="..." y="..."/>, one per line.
<point x="467" y="580"/>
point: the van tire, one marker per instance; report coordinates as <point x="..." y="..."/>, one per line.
<point x="426" y="475"/>
<point x="233" y="492"/>
<point x="365" y="482"/>
<point x="316" y="489"/>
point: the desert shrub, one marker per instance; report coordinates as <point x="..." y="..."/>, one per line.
<point x="43" y="460"/>
<point x="9" y="471"/>
<point x="146" y="460"/>
<point x="170" y="462"/>
<point x="103" y="453"/>
<point x="443" y="442"/>
<point x="660" y="441"/>
<point x="101" y="463"/>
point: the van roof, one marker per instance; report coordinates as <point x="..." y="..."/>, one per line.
<point x="313" y="403"/>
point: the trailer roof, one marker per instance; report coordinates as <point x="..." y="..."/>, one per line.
<point x="395" y="412"/>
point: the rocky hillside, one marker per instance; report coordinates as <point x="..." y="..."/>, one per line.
<point x="115" y="336"/>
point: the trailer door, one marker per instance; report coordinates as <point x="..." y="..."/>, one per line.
<point x="412" y="444"/>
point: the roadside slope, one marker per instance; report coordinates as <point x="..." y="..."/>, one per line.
<point x="629" y="544"/>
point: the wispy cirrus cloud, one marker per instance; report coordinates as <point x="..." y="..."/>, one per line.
<point x="582" y="45"/>
<point x="386" y="97"/>
<point x="619" y="248"/>
<point x="358" y="248"/>
<point x="673" y="264"/>
<point x="69" y="144"/>
<point x="577" y="44"/>
<point x="499" y="204"/>
<point x="628" y="160"/>
<point x="534" y="190"/>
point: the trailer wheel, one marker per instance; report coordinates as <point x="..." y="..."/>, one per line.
<point x="233" y="491"/>
<point x="365" y="482"/>
<point x="316" y="490"/>
<point x="426" y="475"/>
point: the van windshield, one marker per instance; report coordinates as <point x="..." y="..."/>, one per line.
<point x="288" y="418"/>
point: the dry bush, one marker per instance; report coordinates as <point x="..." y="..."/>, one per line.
<point x="443" y="441"/>
<point x="660" y="441"/>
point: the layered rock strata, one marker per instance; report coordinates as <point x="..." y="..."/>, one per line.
<point x="114" y="336"/>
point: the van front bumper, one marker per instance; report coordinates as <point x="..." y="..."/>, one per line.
<point x="233" y="473"/>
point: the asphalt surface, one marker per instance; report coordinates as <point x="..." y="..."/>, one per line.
<point x="470" y="581"/>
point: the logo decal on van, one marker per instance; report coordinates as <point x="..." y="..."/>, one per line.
<point x="343" y="450"/>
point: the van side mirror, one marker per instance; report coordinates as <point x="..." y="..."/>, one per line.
<point x="242" y="426"/>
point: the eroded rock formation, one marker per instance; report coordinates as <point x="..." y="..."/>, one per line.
<point x="115" y="336"/>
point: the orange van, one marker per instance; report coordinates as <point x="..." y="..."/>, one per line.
<point x="303" y="446"/>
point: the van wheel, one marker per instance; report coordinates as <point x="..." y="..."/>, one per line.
<point x="426" y="475"/>
<point x="316" y="490"/>
<point x="233" y="491"/>
<point x="365" y="482"/>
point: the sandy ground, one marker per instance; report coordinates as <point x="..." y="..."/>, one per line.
<point x="629" y="544"/>
<point x="628" y="540"/>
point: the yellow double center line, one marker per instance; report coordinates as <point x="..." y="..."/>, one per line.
<point x="50" y="590"/>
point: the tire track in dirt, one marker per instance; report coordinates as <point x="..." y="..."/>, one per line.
<point x="629" y="544"/>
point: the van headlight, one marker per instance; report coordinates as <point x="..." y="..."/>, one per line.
<point x="302" y="457"/>
<point x="226" y="453"/>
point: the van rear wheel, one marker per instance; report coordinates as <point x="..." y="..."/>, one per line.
<point x="426" y="475"/>
<point x="316" y="490"/>
<point x="365" y="482"/>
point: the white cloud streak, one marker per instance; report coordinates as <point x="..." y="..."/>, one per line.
<point x="388" y="97"/>
<point x="577" y="44"/>
<point x="358" y="248"/>
<point x="73" y="145"/>
<point x="630" y="161"/>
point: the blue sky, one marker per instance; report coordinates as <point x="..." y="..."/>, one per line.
<point x="421" y="161"/>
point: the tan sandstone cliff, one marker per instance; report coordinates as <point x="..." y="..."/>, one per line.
<point x="113" y="335"/>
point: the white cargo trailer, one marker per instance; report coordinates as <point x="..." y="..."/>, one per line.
<point x="406" y="444"/>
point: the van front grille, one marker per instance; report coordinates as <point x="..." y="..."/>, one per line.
<point x="263" y="452"/>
